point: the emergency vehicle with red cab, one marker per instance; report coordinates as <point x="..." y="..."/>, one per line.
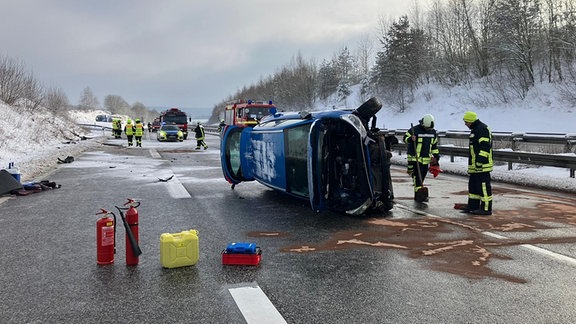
<point x="244" y="113"/>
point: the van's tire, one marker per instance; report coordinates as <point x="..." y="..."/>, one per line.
<point x="369" y="108"/>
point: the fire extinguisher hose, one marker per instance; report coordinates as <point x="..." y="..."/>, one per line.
<point x="135" y="248"/>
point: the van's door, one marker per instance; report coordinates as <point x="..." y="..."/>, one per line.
<point x="314" y="170"/>
<point x="233" y="146"/>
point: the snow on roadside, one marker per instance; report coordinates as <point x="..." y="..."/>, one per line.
<point x="35" y="140"/>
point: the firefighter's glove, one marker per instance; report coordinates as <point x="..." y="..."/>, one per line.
<point x="434" y="161"/>
<point x="435" y="170"/>
<point x="410" y="171"/>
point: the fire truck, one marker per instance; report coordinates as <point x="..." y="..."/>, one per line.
<point x="156" y="124"/>
<point x="175" y="116"/>
<point x="246" y="113"/>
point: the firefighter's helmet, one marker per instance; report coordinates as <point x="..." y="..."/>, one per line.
<point x="470" y="117"/>
<point x="427" y="121"/>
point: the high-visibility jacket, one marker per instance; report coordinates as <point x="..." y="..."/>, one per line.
<point x="129" y="129"/>
<point x="480" y="154"/>
<point x="139" y="129"/>
<point x="426" y="145"/>
<point x="199" y="130"/>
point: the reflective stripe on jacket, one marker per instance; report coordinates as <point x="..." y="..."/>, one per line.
<point x="426" y="144"/>
<point x="199" y="130"/>
<point x="480" y="155"/>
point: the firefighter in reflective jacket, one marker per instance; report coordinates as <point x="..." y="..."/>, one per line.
<point x="116" y="128"/>
<point x="221" y="125"/>
<point x="480" y="164"/>
<point x="129" y="131"/>
<point x="138" y="132"/>
<point x="199" y="134"/>
<point x="422" y="151"/>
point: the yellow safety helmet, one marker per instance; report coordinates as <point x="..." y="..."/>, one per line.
<point x="470" y="117"/>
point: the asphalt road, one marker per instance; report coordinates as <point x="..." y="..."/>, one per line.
<point x="417" y="264"/>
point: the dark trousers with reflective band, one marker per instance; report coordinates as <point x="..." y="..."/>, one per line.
<point x="200" y="142"/>
<point x="416" y="180"/>
<point x="480" y="192"/>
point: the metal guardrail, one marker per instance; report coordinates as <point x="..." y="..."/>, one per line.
<point x="511" y="157"/>
<point x="213" y="130"/>
<point x="502" y="140"/>
<point x="544" y="149"/>
<point x="551" y="143"/>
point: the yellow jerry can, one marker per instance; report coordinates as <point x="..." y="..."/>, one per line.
<point x="179" y="249"/>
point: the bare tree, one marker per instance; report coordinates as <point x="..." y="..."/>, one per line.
<point x="56" y="101"/>
<point x="515" y="24"/>
<point x="138" y="111"/>
<point x="18" y="86"/>
<point x="116" y="104"/>
<point x="88" y="100"/>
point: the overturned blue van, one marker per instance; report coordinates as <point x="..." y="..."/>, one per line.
<point x="331" y="158"/>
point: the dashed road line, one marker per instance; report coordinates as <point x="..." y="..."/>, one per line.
<point x="255" y="305"/>
<point x="155" y="154"/>
<point x="176" y="189"/>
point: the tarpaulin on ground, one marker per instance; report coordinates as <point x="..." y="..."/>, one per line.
<point x="8" y="183"/>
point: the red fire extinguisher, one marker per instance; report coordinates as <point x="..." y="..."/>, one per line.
<point x="105" y="238"/>
<point x="131" y="226"/>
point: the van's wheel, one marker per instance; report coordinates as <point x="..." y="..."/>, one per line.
<point x="369" y="108"/>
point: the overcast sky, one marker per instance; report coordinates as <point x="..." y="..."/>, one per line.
<point x="183" y="53"/>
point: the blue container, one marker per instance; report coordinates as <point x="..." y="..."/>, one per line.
<point x="15" y="173"/>
<point x="241" y="247"/>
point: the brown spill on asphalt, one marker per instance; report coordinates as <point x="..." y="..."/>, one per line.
<point x="467" y="252"/>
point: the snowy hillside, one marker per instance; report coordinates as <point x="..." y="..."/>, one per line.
<point x="542" y="112"/>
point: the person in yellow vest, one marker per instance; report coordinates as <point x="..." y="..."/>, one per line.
<point x="115" y="128"/>
<point x="129" y="131"/>
<point x="138" y="132"/>
<point x="480" y="164"/>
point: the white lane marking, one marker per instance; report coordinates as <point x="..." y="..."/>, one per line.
<point x="3" y="199"/>
<point x="174" y="187"/>
<point x="154" y="153"/>
<point x="176" y="190"/>
<point x="533" y="248"/>
<point x="255" y="305"/>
